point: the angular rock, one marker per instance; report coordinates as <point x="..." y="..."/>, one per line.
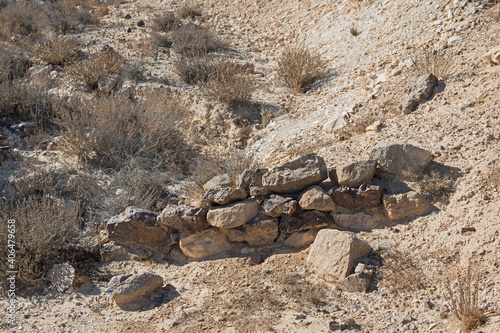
<point x="255" y="233"/>
<point x="220" y="180"/>
<point x="334" y="253"/>
<point x="300" y="221"/>
<point x="204" y="244"/>
<point x="135" y="293"/>
<point x="400" y="158"/>
<point x="296" y="175"/>
<point x="290" y="207"/>
<point x="360" y="221"/>
<point x="405" y="205"/>
<point x="357" y="198"/>
<point x="116" y="281"/>
<point x="314" y="198"/>
<point x="301" y="239"/>
<point x="109" y="83"/>
<point x="420" y="91"/>
<point x="185" y="218"/>
<point x="274" y="205"/>
<point x="336" y="325"/>
<point x="233" y="215"/>
<point x="223" y="195"/>
<point x="136" y="226"/>
<point x="251" y="178"/>
<point x="66" y="277"/>
<point x="356" y="173"/>
<point x="356" y="283"/>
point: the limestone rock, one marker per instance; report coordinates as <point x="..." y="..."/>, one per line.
<point x="185" y="218"/>
<point x="251" y="178"/>
<point x="135" y="292"/>
<point x="356" y="283"/>
<point x="255" y="233"/>
<point x="116" y="281"/>
<point x="493" y="55"/>
<point x="420" y="91"/>
<point x="334" y="253"/>
<point x="223" y="195"/>
<point x="314" y="198"/>
<point x="66" y="277"/>
<point x="220" y="180"/>
<point x="296" y="175"/>
<point x="204" y="244"/>
<point x="306" y="220"/>
<point x="274" y="205"/>
<point x="233" y="215"/>
<point x="356" y="173"/>
<point x="404" y="205"/>
<point x="290" y="207"/>
<point x="301" y="239"/>
<point x="360" y="221"/>
<point x="356" y="198"/>
<point x="400" y="158"/>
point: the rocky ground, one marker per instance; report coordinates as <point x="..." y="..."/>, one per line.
<point x="370" y="75"/>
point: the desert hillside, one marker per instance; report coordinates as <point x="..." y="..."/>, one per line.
<point x="250" y="166"/>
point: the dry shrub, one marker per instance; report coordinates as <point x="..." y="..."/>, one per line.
<point x="464" y="299"/>
<point x="437" y="62"/>
<point x="20" y="101"/>
<point x="196" y="42"/>
<point x="44" y="229"/>
<point x="296" y="287"/>
<point x="115" y="130"/>
<point x="24" y="19"/>
<point x="97" y="66"/>
<point x="13" y="64"/>
<point x="165" y="22"/>
<point x="189" y="11"/>
<point x="195" y="70"/>
<point x="299" y="66"/>
<point x="230" y="84"/>
<point x="58" y="51"/>
<point x="434" y="185"/>
<point x="160" y="40"/>
<point x="400" y="272"/>
<point x="134" y="70"/>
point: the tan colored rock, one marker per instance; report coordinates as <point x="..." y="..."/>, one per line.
<point x="233" y="215"/>
<point x="219" y="180"/>
<point x="135" y="293"/>
<point x="356" y="173"/>
<point x="185" y="218"/>
<point x="66" y="277"/>
<point x="357" y="198"/>
<point x="405" y="205"/>
<point x="251" y="178"/>
<point x="420" y="90"/>
<point x="375" y="127"/>
<point x="314" y="198"/>
<point x="301" y="238"/>
<point x="296" y="175"/>
<point x="274" y="205"/>
<point x="223" y="195"/>
<point x="360" y="221"/>
<point x="334" y="254"/>
<point x="204" y="244"/>
<point x="493" y="55"/>
<point x="400" y="158"/>
<point x="255" y="233"/>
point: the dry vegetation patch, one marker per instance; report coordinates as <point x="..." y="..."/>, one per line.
<point x="165" y="22"/>
<point x="400" y="271"/>
<point x="58" y="51"/>
<point x="196" y="42"/>
<point x="437" y="62"/>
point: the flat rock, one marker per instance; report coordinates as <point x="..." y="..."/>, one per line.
<point x="420" y="90"/>
<point x="406" y="205"/>
<point x="314" y="198"/>
<point x="400" y="158"/>
<point x="135" y="293"/>
<point x="223" y="195"/>
<point x="185" y="218"/>
<point x="356" y="173"/>
<point x="274" y="205"/>
<point x="204" y="244"/>
<point x="296" y="175"/>
<point x="219" y="180"/>
<point x="255" y="233"/>
<point x="301" y="238"/>
<point x="360" y="221"/>
<point x="233" y="215"/>
<point x="357" y="198"/>
<point x="301" y="221"/>
<point x="334" y="253"/>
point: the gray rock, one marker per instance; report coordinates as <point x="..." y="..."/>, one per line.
<point x="420" y="91"/>
<point x="301" y="239"/>
<point x="274" y="205"/>
<point x="300" y="221"/>
<point x="233" y="215"/>
<point x="314" y="198"/>
<point x="223" y="195"/>
<point x="135" y="293"/>
<point x="185" y="218"/>
<point x="255" y="233"/>
<point x="356" y="173"/>
<point x="360" y="221"/>
<point x="356" y="283"/>
<point x="204" y="244"/>
<point x="66" y="277"/>
<point x="296" y="175"/>
<point x="109" y="83"/>
<point x="357" y="198"/>
<point x="251" y="178"/>
<point x="400" y="158"/>
<point x="116" y="281"/>
<point x="220" y="180"/>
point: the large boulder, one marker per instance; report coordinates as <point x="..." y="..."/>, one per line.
<point x="296" y="175"/>
<point x="406" y="205"/>
<point x="356" y="173"/>
<point x="274" y="206"/>
<point x="357" y="198"/>
<point x="255" y="233"/>
<point x="204" y="244"/>
<point x="233" y="215"/>
<point x="135" y="292"/>
<point x="185" y="218"/>
<point x="420" y="90"/>
<point x="400" y="158"/>
<point x="300" y="221"/>
<point x="223" y="195"/>
<point x="334" y="253"/>
<point x="314" y="198"/>
<point x="219" y="180"/>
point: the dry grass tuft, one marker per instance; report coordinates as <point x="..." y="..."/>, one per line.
<point x="439" y="63"/>
<point x="400" y="272"/>
<point x="20" y="19"/>
<point x="299" y="66"/>
<point x="165" y="22"/>
<point x="97" y="66"/>
<point x="434" y="185"/>
<point x="464" y="299"/>
<point x="195" y="70"/>
<point x="196" y="42"/>
<point x="58" y="51"/>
